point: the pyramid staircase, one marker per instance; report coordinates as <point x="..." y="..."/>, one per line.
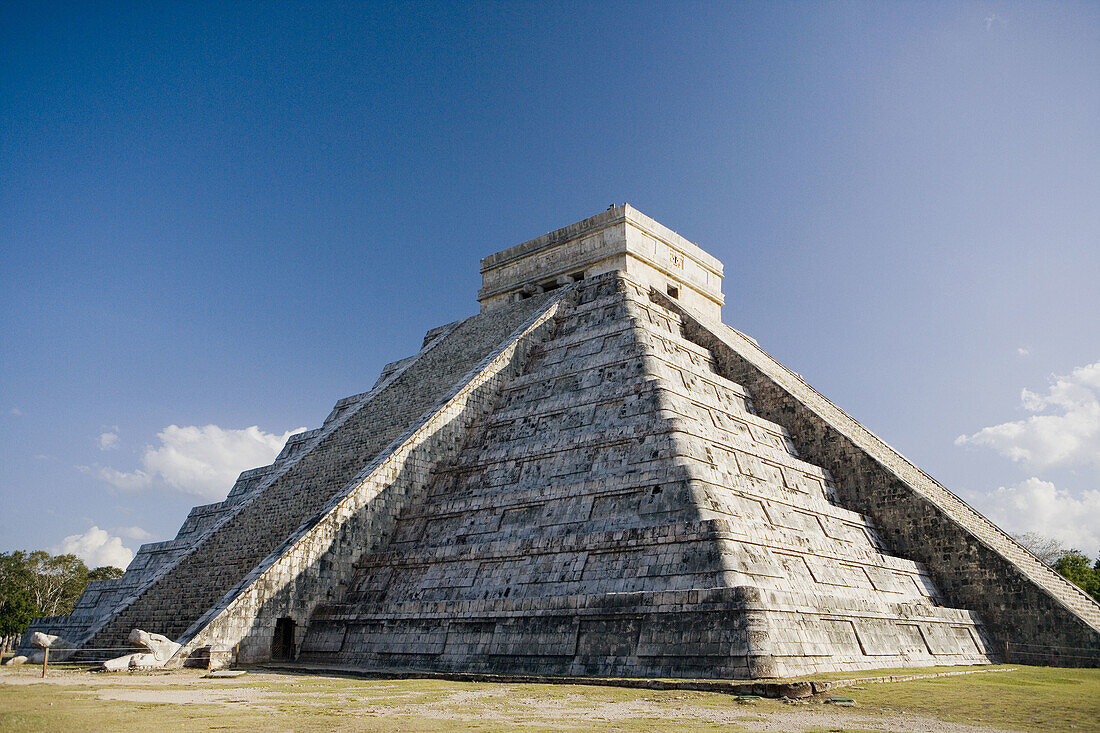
<point x="177" y="590"/>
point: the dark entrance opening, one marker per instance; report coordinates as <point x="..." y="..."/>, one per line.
<point x="282" y="645"/>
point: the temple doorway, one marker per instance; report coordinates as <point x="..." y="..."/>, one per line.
<point x="282" y="645"/>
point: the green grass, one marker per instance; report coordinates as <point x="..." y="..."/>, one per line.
<point x="1024" y="698"/>
<point x="1030" y="698"/>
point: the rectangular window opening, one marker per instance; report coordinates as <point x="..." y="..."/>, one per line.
<point x="673" y="292"/>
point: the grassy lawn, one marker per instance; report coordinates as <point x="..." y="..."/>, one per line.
<point x="1029" y="698"/>
<point x="1022" y="698"/>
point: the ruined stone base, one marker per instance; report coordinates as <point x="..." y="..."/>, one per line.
<point x="725" y="633"/>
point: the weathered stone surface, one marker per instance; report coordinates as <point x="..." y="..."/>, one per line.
<point x="44" y="641"/>
<point x="118" y="664"/>
<point x="355" y="434"/>
<point x="1036" y="615"/>
<point x="622" y="239"/>
<point x="157" y="651"/>
<point x="597" y="477"/>
<point x="159" y="647"/>
<point x="623" y="511"/>
<point x="287" y="585"/>
<point x="60" y="649"/>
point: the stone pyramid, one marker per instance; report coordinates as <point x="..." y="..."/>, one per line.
<point x="594" y="476"/>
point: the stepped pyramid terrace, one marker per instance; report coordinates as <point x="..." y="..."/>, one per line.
<point x="592" y="476"/>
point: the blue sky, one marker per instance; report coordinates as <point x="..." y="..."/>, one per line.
<point x="218" y="219"/>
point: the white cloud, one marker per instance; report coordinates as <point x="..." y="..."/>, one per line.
<point x="1069" y="437"/>
<point x="1038" y="506"/>
<point x="108" y="441"/>
<point x="134" y="533"/>
<point x="15" y="411"/>
<point x="1022" y="351"/>
<point x="96" y="548"/>
<point x="202" y="461"/>
<point x="123" y="481"/>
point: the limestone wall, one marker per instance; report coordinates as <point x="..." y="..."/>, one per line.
<point x="1037" y="616"/>
<point x="101" y="599"/>
<point x="182" y="592"/>
<point x="620" y="239"/>
<point x="624" y="511"/>
<point x="314" y="563"/>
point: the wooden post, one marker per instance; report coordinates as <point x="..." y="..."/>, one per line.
<point x="45" y="661"/>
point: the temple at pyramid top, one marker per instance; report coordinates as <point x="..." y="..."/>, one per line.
<point x="621" y="238"/>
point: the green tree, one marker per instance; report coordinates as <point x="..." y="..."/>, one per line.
<point x="58" y="581"/>
<point x="1074" y="566"/>
<point x="41" y="584"/>
<point x="106" y="572"/>
<point x="16" y="604"/>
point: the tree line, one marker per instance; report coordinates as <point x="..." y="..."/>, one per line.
<point x="40" y="584"/>
<point x="1073" y="565"/>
